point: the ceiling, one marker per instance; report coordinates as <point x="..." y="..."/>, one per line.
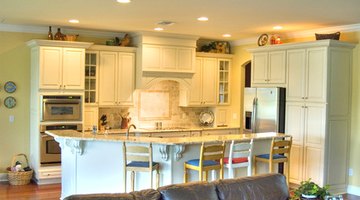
<point x="240" y="18"/>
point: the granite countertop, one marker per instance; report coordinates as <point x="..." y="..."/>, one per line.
<point x="166" y="129"/>
<point x="89" y="136"/>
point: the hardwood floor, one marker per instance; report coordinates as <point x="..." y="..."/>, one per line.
<point x="29" y="192"/>
<point x="53" y="191"/>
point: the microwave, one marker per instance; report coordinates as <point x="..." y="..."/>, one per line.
<point x="61" y="108"/>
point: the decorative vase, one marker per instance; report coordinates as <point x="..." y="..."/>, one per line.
<point x="50" y="35"/>
<point x="58" y="35"/>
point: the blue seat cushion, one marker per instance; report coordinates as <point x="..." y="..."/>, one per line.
<point x="195" y="162"/>
<point x="140" y="164"/>
<point x="267" y="156"/>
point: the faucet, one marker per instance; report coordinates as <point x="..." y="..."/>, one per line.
<point x="127" y="132"/>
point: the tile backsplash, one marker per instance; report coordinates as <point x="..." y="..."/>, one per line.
<point x="162" y="99"/>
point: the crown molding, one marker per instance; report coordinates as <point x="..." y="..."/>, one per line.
<point x="65" y="30"/>
<point x="303" y="34"/>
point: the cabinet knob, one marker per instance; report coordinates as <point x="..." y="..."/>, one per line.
<point x="64" y="86"/>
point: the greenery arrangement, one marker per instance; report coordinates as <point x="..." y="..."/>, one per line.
<point x="312" y="189"/>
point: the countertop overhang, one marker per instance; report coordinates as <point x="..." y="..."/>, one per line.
<point x="89" y="136"/>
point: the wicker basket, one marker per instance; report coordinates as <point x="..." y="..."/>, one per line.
<point x="19" y="178"/>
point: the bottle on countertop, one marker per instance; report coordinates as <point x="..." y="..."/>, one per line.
<point x="58" y="35"/>
<point x="50" y="35"/>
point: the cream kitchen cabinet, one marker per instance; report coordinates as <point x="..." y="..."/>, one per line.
<point x="203" y="84"/>
<point x="268" y="69"/>
<point x="116" y="78"/>
<point x="91" y="117"/>
<point x="307" y="74"/>
<point x="306" y="123"/>
<point x="164" y="58"/>
<point x="61" y="68"/>
<point x="91" y="77"/>
<point x="318" y="110"/>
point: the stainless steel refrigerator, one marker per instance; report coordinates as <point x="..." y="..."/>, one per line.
<point x="264" y="110"/>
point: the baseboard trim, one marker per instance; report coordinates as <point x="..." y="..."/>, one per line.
<point x="355" y="190"/>
<point x="3" y="177"/>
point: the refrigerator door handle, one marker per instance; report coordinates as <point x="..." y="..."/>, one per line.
<point x="253" y="117"/>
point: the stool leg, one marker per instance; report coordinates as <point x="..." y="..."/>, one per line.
<point x="254" y="166"/>
<point x="132" y="180"/>
<point x="206" y="175"/>
<point x="288" y="171"/>
<point x="270" y="166"/>
<point x="200" y="175"/>
<point x="157" y="178"/>
<point x="151" y="179"/>
<point x="185" y="174"/>
<point x="125" y="180"/>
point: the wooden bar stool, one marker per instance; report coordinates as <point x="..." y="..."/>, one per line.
<point x="211" y="158"/>
<point x="240" y="155"/>
<point x="279" y="153"/>
<point x="139" y="159"/>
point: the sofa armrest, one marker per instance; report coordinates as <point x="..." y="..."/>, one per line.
<point x="265" y="187"/>
<point x="189" y="191"/>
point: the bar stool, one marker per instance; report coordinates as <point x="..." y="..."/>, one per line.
<point x="279" y="153"/>
<point x="139" y="159"/>
<point x="240" y="155"/>
<point x="211" y="158"/>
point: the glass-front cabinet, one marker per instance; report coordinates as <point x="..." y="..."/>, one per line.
<point x="224" y="81"/>
<point x="91" y="77"/>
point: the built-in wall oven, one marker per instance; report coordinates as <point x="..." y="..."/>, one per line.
<point x="50" y="151"/>
<point x="61" y="108"/>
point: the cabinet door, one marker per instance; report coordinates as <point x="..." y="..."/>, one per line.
<point x="168" y="58"/>
<point x="209" y="87"/>
<point x="315" y="119"/>
<point x="259" y="68"/>
<point x="91" y="116"/>
<point x="224" y="66"/>
<point x="126" y="78"/>
<point x="296" y="75"/>
<point x="185" y="59"/>
<point x="277" y="67"/>
<point x="294" y="122"/>
<point x="314" y="164"/>
<point x="195" y="97"/>
<point x="107" y="78"/>
<point x="151" y="57"/>
<point x="317" y="74"/>
<point x="73" y="68"/>
<point x="50" y="76"/>
<point x="296" y="163"/>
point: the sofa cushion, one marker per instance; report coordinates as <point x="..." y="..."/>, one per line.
<point x="189" y="191"/>
<point x="148" y="194"/>
<point x="261" y="187"/>
<point x="105" y="196"/>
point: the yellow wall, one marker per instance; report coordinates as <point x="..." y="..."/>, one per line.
<point x="242" y="56"/>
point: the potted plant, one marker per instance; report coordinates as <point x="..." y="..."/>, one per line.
<point x="310" y="190"/>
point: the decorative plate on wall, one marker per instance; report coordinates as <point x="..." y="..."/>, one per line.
<point x="10" y="87"/>
<point x="206" y="118"/>
<point x="263" y="39"/>
<point x="10" y="102"/>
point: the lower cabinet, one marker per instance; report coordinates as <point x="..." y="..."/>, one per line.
<point x="91" y="116"/>
<point x="306" y="122"/>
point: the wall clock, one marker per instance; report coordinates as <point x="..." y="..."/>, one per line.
<point x="10" y="102"/>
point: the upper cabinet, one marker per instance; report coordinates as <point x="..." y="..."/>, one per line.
<point x="91" y="77"/>
<point x="162" y="58"/>
<point x="58" y="65"/>
<point x="116" y="75"/>
<point x="307" y="74"/>
<point x="268" y="69"/>
<point x="210" y="84"/>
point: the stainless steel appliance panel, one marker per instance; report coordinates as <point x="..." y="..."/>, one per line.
<point x="61" y="108"/>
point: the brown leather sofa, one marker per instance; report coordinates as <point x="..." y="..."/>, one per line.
<point x="261" y="187"/>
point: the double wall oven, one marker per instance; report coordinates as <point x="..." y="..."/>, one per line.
<point x="58" y="112"/>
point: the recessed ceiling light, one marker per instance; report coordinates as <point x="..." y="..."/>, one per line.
<point x="203" y="19"/>
<point x="74" y="21"/>
<point x="226" y="35"/>
<point x="158" y="29"/>
<point x="277" y="27"/>
<point x="123" y="1"/>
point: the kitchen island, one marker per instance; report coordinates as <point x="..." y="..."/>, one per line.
<point x="93" y="163"/>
